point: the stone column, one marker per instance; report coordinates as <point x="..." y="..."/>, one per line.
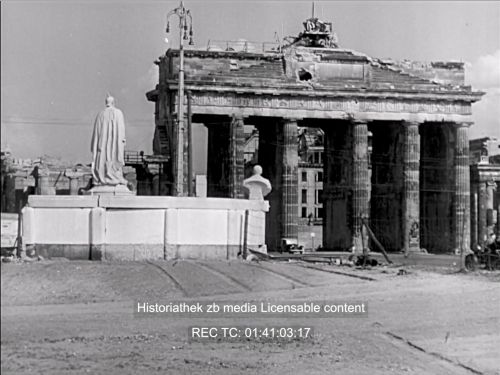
<point x="236" y="157"/>
<point x="461" y="201"/>
<point x="411" y="187"/>
<point x="361" y="183"/>
<point x="73" y="177"/>
<point x="490" y="207"/>
<point x="278" y="156"/>
<point x="43" y="182"/>
<point x="474" y="215"/>
<point x="481" y="215"/>
<point x="156" y="184"/>
<point x="497" y="208"/>
<point x="269" y="139"/>
<point x="9" y="192"/>
<point x="290" y="160"/>
<point x="225" y="159"/>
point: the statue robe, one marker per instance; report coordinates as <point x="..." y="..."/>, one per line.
<point x="108" y="148"/>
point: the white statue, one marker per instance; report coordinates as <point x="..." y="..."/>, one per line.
<point x="258" y="186"/>
<point x="108" y="146"/>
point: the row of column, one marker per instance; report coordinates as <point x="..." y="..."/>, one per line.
<point x="347" y="181"/>
<point x="485" y="206"/>
<point x="44" y="186"/>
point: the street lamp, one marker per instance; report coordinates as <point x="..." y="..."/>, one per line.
<point x="185" y="23"/>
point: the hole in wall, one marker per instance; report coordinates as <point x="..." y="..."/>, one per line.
<point x="304" y="75"/>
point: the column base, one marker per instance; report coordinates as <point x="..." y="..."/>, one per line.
<point x="414" y="250"/>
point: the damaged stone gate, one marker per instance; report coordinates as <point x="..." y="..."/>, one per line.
<point x="418" y="114"/>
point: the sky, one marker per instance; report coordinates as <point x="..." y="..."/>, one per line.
<point x="60" y="58"/>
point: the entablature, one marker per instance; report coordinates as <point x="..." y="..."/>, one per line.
<point x="351" y="93"/>
<point x="398" y="109"/>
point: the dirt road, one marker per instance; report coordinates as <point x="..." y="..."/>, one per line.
<point x="77" y="318"/>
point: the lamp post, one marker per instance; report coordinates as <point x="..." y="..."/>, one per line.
<point x="185" y="22"/>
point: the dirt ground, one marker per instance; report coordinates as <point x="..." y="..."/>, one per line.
<point x="61" y="317"/>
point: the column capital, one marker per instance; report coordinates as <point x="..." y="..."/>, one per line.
<point x="411" y="123"/>
<point x="240" y="117"/>
<point x="291" y="119"/>
<point x="462" y="124"/>
<point x="358" y="122"/>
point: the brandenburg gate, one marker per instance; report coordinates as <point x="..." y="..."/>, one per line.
<point x="413" y="187"/>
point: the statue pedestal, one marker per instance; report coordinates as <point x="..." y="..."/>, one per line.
<point x="109" y="190"/>
<point x="128" y="227"/>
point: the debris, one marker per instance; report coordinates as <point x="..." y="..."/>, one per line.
<point x="370" y="233"/>
<point x="252" y="258"/>
<point x="446" y="337"/>
<point x="256" y="255"/>
<point x="366" y="260"/>
<point x="7" y="259"/>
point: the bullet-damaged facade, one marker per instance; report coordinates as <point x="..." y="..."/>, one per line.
<point x="415" y="190"/>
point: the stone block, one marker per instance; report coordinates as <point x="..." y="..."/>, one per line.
<point x="68" y="251"/>
<point x="134" y="252"/>
<point x="97" y="226"/>
<point x="28" y="225"/>
<point x="159" y="202"/>
<point x="134" y="226"/>
<point x="209" y="252"/>
<point x="65" y="226"/>
<point x="61" y="201"/>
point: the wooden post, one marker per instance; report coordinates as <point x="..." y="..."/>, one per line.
<point x="374" y="239"/>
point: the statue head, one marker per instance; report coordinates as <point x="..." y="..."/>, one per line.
<point x="257" y="170"/>
<point x="110" y="101"/>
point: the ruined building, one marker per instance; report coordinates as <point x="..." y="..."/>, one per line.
<point x="419" y="114"/>
<point x="47" y="176"/>
<point x="485" y="189"/>
<point x="41" y="176"/>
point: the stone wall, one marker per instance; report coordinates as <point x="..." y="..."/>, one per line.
<point x="135" y="228"/>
